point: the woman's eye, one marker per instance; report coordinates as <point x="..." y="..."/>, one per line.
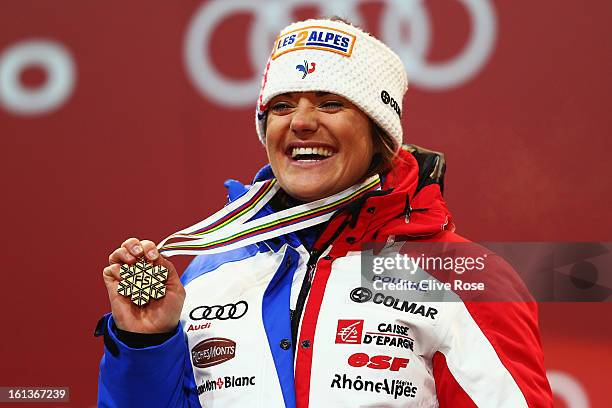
<point x="332" y="105"/>
<point x="280" y="107"/>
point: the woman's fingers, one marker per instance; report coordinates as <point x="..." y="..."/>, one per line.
<point x="121" y="256"/>
<point x="163" y="314"/>
<point x="131" y="249"/>
<point x="133" y="246"/>
<point x="111" y="277"/>
<point x="150" y="250"/>
<point x="112" y="271"/>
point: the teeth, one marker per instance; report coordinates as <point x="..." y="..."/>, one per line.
<point x="321" y="151"/>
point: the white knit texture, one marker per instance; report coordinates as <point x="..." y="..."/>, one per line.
<point x="362" y="77"/>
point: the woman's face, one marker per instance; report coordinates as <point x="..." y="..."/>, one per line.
<point x="318" y="143"/>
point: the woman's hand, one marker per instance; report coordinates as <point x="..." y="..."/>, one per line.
<point x="157" y="316"/>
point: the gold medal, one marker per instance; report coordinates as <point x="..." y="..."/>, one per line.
<point x="143" y="281"/>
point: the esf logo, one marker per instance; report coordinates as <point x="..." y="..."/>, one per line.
<point x="377" y="362"/>
<point x="315" y="38"/>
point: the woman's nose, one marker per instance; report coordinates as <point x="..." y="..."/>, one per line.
<point x="304" y="120"/>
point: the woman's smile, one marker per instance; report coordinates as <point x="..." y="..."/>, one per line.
<point x="318" y="143"/>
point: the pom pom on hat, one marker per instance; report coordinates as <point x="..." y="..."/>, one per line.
<point x="336" y="57"/>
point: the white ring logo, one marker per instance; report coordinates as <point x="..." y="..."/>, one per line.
<point x="270" y="16"/>
<point x="57" y="63"/>
<point x="568" y="389"/>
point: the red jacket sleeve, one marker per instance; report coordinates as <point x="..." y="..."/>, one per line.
<point x="491" y="355"/>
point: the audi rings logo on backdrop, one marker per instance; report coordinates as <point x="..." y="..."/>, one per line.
<point x="270" y="16"/>
<point x="50" y="56"/>
<point x="217" y="312"/>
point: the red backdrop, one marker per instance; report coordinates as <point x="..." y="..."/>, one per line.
<point x="112" y="125"/>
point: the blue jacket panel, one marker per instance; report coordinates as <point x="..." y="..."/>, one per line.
<point x="159" y="376"/>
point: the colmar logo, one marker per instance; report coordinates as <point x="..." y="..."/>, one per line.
<point x="388" y="100"/>
<point x="304" y="68"/>
<point x="377" y="362"/>
<point x="349" y="331"/>
<point x="361" y="295"/>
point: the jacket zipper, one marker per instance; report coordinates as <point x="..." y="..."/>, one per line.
<point x="296" y="314"/>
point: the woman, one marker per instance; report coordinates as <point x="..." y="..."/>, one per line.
<point x="289" y="320"/>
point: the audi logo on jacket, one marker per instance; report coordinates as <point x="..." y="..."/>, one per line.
<point x="311" y="330"/>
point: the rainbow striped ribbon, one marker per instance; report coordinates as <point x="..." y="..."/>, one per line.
<point x="230" y="227"/>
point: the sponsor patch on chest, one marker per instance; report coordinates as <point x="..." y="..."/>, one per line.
<point x="213" y="351"/>
<point x="386" y="334"/>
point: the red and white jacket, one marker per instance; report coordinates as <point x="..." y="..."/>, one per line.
<point x="291" y="326"/>
<point x="485" y="354"/>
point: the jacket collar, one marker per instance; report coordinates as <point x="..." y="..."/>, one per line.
<point x="410" y="204"/>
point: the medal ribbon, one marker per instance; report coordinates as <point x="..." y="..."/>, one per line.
<point x="230" y="228"/>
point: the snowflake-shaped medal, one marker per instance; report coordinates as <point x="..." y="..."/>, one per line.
<point x="143" y="281"/>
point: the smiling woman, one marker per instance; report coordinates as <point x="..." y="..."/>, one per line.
<point x="280" y="308"/>
<point x="318" y="144"/>
<point x="292" y="120"/>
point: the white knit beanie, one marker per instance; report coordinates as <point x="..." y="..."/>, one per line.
<point x="332" y="56"/>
